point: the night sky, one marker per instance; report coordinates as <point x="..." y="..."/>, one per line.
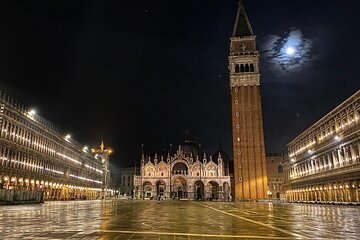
<point x="133" y="72"/>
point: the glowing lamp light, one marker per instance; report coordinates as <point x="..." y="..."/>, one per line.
<point x="85" y="149"/>
<point x="290" y="51"/>
<point x="336" y="138"/>
<point x="32" y="112"/>
<point x="67" y="137"/>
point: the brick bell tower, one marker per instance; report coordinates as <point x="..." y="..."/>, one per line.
<point x="247" y="124"/>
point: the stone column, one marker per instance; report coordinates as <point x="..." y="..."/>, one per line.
<point x="334" y="157"/>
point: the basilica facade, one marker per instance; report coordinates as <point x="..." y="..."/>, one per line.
<point x="189" y="173"/>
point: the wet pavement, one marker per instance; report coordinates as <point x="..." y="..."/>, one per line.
<point x="146" y="219"/>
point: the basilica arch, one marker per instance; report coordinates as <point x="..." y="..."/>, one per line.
<point x="147" y="189"/>
<point x="160" y="188"/>
<point x="213" y="189"/>
<point x="179" y="187"/>
<point x="199" y="188"/>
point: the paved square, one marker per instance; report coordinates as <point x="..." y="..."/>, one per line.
<point x="146" y="219"/>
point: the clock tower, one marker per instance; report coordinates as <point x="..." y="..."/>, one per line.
<point x="247" y="124"/>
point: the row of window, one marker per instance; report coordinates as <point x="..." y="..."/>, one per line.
<point x="17" y="160"/>
<point x="30" y="163"/>
<point x="326" y="130"/>
<point x="348" y="154"/>
<point x="26" y="137"/>
<point x="240" y="68"/>
<point x="205" y="174"/>
<point x="25" y="122"/>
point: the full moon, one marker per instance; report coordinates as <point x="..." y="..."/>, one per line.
<point x="290" y="50"/>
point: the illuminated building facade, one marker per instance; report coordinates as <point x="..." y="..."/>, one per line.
<point x="324" y="163"/>
<point x="250" y="176"/>
<point x="187" y="174"/>
<point x="276" y="176"/>
<point x="36" y="155"/>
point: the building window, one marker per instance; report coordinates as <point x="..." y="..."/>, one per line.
<point x="237" y="68"/>
<point x="280" y="169"/>
<point x="251" y="67"/>
<point x="236" y="102"/>
<point x="237" y="114"/>
<point x="242" y="69"/>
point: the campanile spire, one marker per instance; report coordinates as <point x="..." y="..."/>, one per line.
<point x="242" y="26"/>
<point x="247" y="126"/>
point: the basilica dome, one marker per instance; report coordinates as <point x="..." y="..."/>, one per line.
<point x="190" y="146"/>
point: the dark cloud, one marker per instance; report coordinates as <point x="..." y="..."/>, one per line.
<point x="288" y="51"/>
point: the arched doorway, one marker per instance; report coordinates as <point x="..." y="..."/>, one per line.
<point x="199" y="190"/>
<point x="147" y="190"/>
<point x="179" y="188"/>
<point x="278" y="195"/>
<point x="180" y="192"/>
<point x="160" y="188"/>
<point x="213" y="190"/>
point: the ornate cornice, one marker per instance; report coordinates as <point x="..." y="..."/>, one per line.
<point x="244" y="80"/>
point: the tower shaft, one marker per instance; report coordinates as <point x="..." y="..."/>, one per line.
<point x="247" y="124"/>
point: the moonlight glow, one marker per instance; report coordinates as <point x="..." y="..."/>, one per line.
<point x="288" y="50"/>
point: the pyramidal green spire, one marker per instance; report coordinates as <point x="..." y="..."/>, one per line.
<point x="242" y="25"/>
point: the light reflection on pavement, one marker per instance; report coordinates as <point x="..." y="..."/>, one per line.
<point x="126" y="219"/>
